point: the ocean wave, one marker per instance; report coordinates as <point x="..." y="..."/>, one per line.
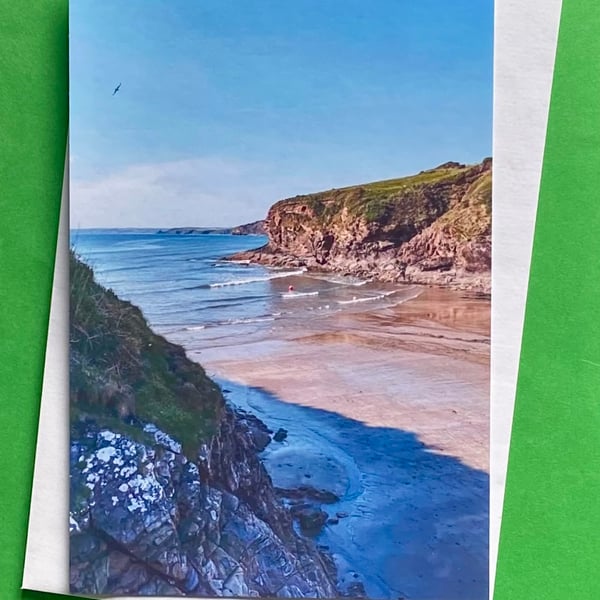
<point x="249" y="280"/>
<point x="233" y="303"/>
<point x="298" y="294"/>
<point x="157" y="291"/>
<point x="246" y="321"/>
<point x="224" y="262"/>
<point x="132" y="267"/>
<point x="345" y="280"/>
<point x="356" y="300"/>
<point x="225" y="323"/>
<point x="130" y="245"/>
<point x="416" y="293"/>
<point x="359" y="300"/>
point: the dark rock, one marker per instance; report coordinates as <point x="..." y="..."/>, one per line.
<point x="280" y="435"/>
<point x="451" y="165"/>
<point x="356" y="590"/>
<point x="305" y="492"/>
<point x="311" y="520"/>
<point x="191" y="581"/>
<point x="259" y="432"/>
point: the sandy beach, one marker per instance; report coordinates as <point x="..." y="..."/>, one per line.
<point x="389" y="409"/>
<point x="422" y="366"/>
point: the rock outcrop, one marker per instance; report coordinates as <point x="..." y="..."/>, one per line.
<point x="168" y="494"/>
<point x="434" y="227"/>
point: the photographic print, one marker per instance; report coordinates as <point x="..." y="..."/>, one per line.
<point x="280" y="232"/>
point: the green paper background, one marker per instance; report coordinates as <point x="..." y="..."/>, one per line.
<point x="550" y="536"/>
<point x="33" y="129"/>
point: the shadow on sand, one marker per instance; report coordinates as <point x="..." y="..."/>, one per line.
<point x="411" y="522"/>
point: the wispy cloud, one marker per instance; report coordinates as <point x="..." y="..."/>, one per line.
<point x="206" y="191"/>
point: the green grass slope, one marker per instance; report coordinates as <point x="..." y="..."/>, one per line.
<point x="407" y="198"/>
<point x="121" y="373"/>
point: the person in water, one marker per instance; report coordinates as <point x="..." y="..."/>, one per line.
<point x="291" y="288"/>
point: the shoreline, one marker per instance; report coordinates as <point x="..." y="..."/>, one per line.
<point x="380" y="366"/>
<point x="389" y="410"/>
<point x="478" y="282"/>
<point x="462" y="281"/>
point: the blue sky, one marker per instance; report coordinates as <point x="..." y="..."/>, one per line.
<point x="227" y="106"/>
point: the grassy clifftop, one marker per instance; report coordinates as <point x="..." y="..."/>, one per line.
<point x="122" y="374"/>
<point x="407" y="198"/>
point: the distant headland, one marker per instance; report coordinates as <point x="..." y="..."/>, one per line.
<point x="254" y="228"/>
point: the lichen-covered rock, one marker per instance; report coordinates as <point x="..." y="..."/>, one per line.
<point x="145" y="519"/>
<point x="434" y="227"/>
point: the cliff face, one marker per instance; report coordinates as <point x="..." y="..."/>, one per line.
<point x="434" y="227"/>
<point x="168" y="495"/>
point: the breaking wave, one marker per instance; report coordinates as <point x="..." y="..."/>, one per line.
<point x="249" y="280"/>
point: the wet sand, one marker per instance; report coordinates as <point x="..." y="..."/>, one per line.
<point x="389" y="409"/>
<point x="422" y="366"/>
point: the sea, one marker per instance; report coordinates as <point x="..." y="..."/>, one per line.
<point x="190" y="292"/>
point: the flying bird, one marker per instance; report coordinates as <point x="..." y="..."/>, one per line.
<point x="117" y="89"/>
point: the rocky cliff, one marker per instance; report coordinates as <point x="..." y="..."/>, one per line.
<point x="168" y="494"/>
<point x="434" y="227"/>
